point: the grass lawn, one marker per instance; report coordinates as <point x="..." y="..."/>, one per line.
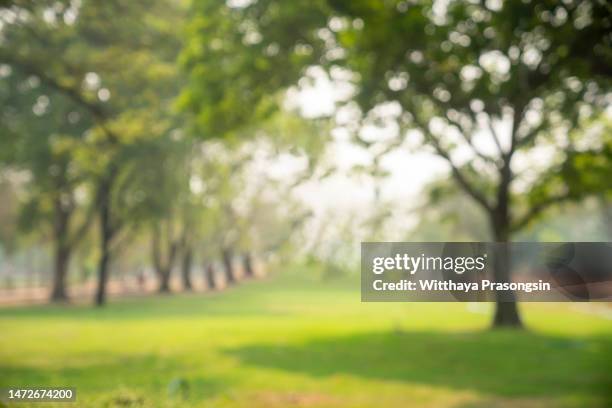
<point x="284" y="342"/>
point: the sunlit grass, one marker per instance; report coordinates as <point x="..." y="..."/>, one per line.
<point x="288" y="342"/>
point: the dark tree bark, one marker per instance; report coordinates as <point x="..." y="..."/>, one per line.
<point x="65" y="242"/>
<point x="186" y="269"/>
<point x="164" y="280"/>
<point x="209" y="275"/>
<point x="102" y="278"/>
<point x="163" y="267"/>
<point x="248" y="265"/>
<point x="230" y="276"/>
<point x="60" y="270"/>
<point x="506" y="312"/>
<point x="106" y="236"/>
<point x="63" y="251"/>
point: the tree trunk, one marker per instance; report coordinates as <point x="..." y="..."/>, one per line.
<point x="60" y="270"/>
<point x="102" y="277"/>
<point x="248" y="265"/>
<point x="209" y="274"/>
<point x="63" y="251"/>
<point x="106" y="235"/>
<point x="164" y="280"/>
<point x="186" y="269"/>
<point x="506" y="310"/>
<point x="230" y="277"/>
<point x="163" y="265"/>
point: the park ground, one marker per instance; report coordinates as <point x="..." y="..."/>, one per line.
<point x="292" y="342"/>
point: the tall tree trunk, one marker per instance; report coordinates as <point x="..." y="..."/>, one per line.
<point x="506" y="312"/>
<point x="106" y="235"/>
<point x="164" y="280"/>
<point x="63" y="251"/>
<point x="186" y="269"/>
<point x="209" y="274"/>
<point x="163" y="265"/>
<point x="60" y="270"/>
<point x="102" y="277"/>
<point x="230" y="277"/>
<point x="248" y="264"/>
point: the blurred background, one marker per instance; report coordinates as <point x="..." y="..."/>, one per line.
<point x="184" y="187"/>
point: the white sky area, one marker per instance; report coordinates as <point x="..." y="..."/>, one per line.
<point x="409" y="170"/>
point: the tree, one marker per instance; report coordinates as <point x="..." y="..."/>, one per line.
<point x="51" y="162"/>
<point x="117" y="67"/>
<point x="163" y="200"/>
<point x="495" y="79"/>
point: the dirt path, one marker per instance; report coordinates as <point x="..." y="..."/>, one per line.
<point x="117" y="288"/>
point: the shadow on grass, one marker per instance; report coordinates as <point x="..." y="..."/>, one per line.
<point x="503" y="363"/>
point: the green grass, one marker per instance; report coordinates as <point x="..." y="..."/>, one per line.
<point x="286" y="342"/>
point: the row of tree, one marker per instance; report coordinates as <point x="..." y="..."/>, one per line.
<point x="506" y="93"/>
<point x="96" y="150"/>
<point x="512" y="96"/>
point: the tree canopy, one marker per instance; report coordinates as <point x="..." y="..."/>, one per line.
<point x="484" y="85"/>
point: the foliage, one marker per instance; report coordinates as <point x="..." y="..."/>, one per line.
<point x="517" y="71"/>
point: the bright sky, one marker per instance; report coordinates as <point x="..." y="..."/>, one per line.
<point x="409" y="171"/>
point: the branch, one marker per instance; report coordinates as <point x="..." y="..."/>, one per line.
<point x="72" y="93"/>
<point x="495" y="136"/>
<point x="98" y="114"/>
<point x="529" y="137"/>
<point x="537" y="209"/>
<point x="469" y="141"/>
<point x="457" y="174"/>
